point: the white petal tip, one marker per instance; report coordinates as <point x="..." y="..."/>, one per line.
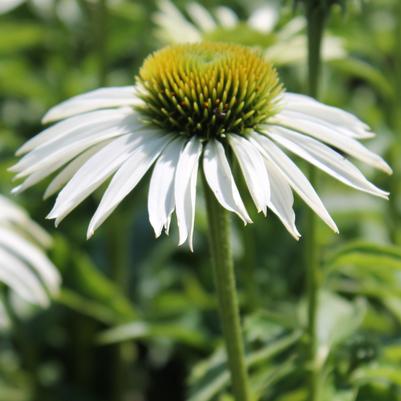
<point x="13" y="169"/>
<point x="158" y="232"/>
<point x="387" y="169"/>
<point x="17" y="190"/>
<point x="89" y="234"/>
<point x="47" y="118"/>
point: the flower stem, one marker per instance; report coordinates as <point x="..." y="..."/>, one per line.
<point x="101" y="22"/>
<point x="316" y="17"/>
<point x="223" y="268"/>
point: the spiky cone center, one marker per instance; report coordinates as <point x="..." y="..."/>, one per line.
<point x="207" y="89"/>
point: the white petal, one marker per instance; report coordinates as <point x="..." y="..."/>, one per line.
<point x="97" y="99"/>
<point x="12" y="213"/>
<point x="21" y="279"/>
<point x="253" y="169"/>
<point x="295" y="177"/>
<point x="291" y="28"/>
<point x="93" y="173"/>
<point x="68" y="172"/>
<point x="161" y="188"/>
<point x="172" y="25"/>
<point x="201" y="17"/>
<point x="71" y="125"/>
<point x="185" y="189"/>
<point x="333" y="115"/>
<point x="50" y="157"/>
<point x="281" y="198"/>
<point x="8" y="5"/>
<point x="264" y="18"/>
<point x="127" y="177"/>
<point x="32" y="255"/>
<point x="351" y="146"/>
<point x="221" y="181"/>
<point x="226" y="16"/>
<point x="325" y="158"/>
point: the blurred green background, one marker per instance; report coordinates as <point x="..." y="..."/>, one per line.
<point x="135" y="319"/>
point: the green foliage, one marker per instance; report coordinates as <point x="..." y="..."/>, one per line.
<point x="152" y="332"/>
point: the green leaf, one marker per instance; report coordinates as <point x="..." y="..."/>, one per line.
<point x="211" y="376"/>
<point x="337" y="319"/>
<point x="364" y="70"/>
<point x="92" y="283"/>
<point x="140" y="330"/>
<point x="378" y="372"/>
<point x="16" y="36"/>
<point x="367" y="255"/>
<point x="89" y="289"/>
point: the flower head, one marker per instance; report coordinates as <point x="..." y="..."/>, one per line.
<point x="191" y="105"/>
<point x="23" y="265"/>
<point x="207" y="90"/>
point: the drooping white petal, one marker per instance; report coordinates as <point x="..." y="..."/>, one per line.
<point x="294" y="176"/>
<point x="264" y="18"/>
<point x="11" y="213"/>
<point x="50" y="157"/>
<point x="32" y="255"/>
<point x="97" y="99"/>
<point x="93" y="173"/>
<point x="253" y="169"/>
<point x="71" y="125"/>
<point x="281" y="198"/>
<point x="291" y="28"/>
<point x="351" y="146"/>
<point x="221" y="181"/>
<point x="333" y="115"/>
<point x="173" y="27"/>
<point x="161" y="188"/>
<point x="8" y="5"/>
<point x="185" y="189"/>
<point x="226" y="16"/>
<point x="201" y="17"/>
<point x="68" y="172"/>
<point x="18" y="276"/>
<point x="127" y="177"/>
<point x="325" y="158"/>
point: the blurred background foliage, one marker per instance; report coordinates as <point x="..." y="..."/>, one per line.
<point x="135" y="318"/>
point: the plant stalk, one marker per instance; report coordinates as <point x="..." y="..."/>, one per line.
<point x="224" y="276"/>
<point x="316" y="17"/>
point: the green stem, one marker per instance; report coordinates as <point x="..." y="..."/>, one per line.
<point x="101" y="22"/>
<point x="316" y="17"/>
<point x="223" y="268"/>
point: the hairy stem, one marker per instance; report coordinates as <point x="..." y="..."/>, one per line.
<point x="223" y="268"/>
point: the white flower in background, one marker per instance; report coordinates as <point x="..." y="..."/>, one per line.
<point x="280" y="45"/>
<point x="67" y="11"/>
<point x="24" y="266"/>
<point x="8" y="5"/>
<point x="192" y="108"/>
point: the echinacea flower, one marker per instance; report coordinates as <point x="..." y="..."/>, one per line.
<point x="280" y="44"/>
<point x="196" y="106"/>
<point x="24" y="266"/>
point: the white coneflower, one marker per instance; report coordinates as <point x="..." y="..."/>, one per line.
<point x="24" y="266"/>
<point x="280" y="44"/>
<point x="192" y="105"/>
